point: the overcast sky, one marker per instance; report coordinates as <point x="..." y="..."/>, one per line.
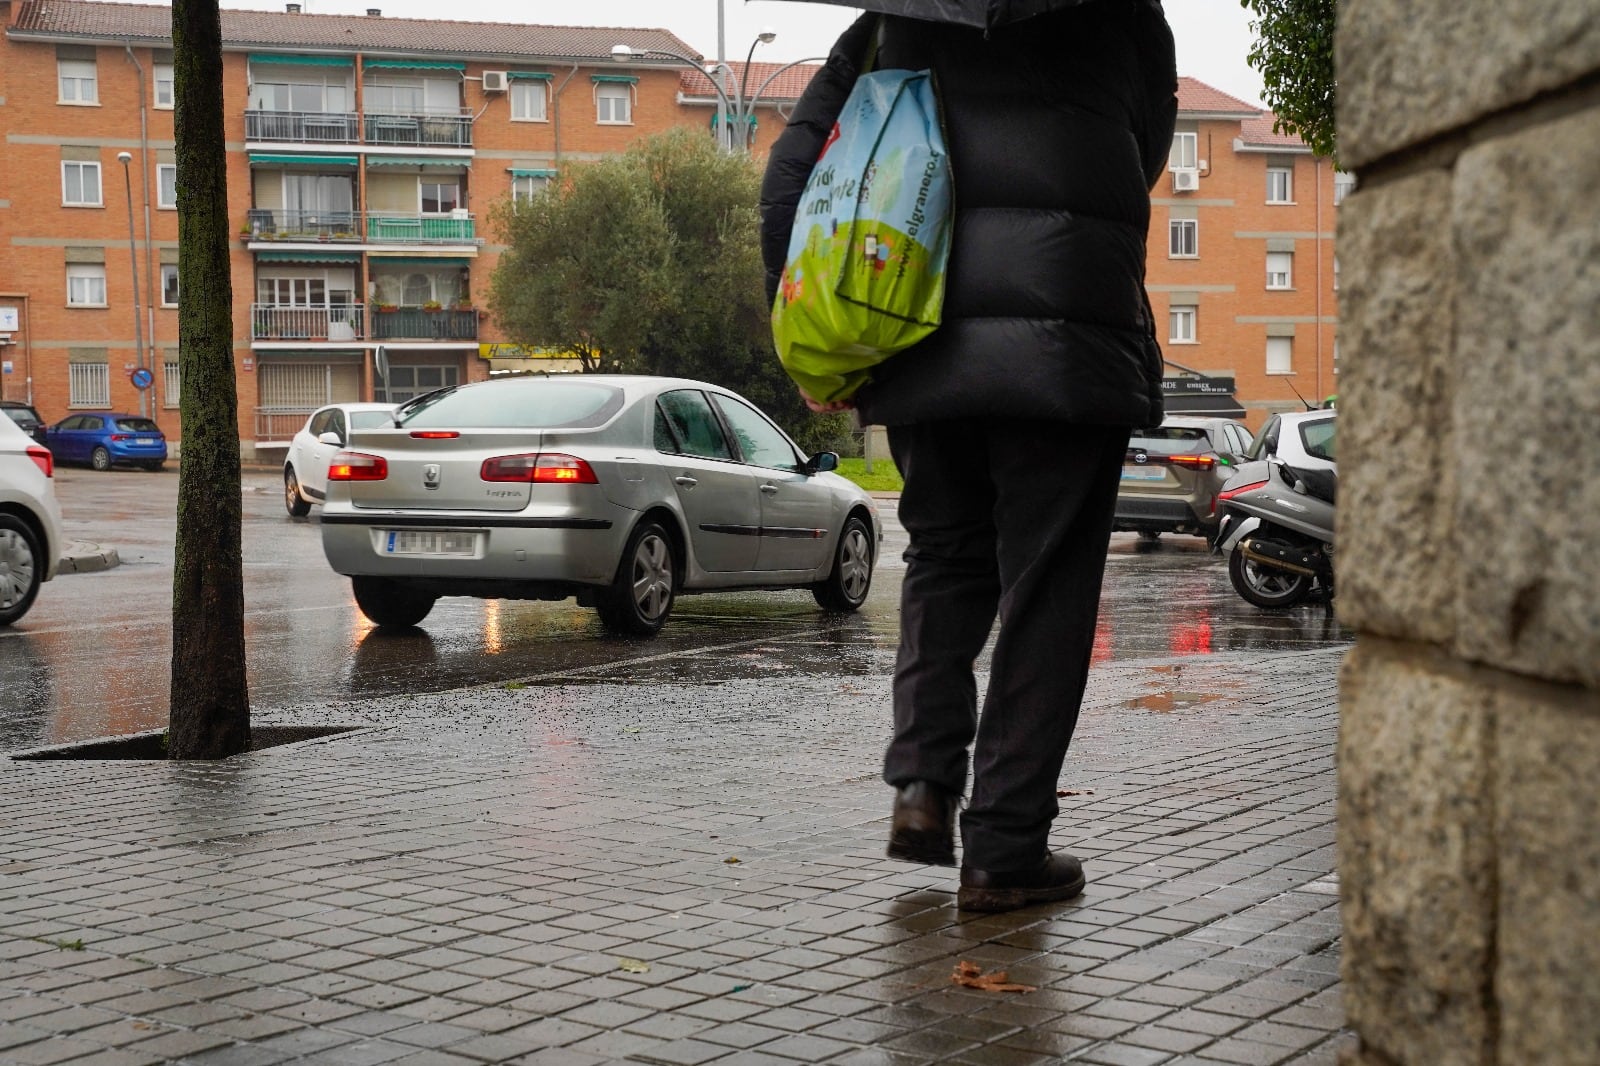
<point x="1213" y="35"/>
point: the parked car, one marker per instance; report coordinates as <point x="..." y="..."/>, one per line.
<point x="26" y="416"/>
<point x="1171" y="475"/>
<point x="305" y="468"/>
<point x="621" y="491"/>
<point x="1303" y="439"/>
<point x="30" y="521"/>
<point x="102" y="440"/>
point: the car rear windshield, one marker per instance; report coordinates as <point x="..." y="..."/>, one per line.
<point x="137" y="425"/>
<point x="370" y="419"/>
<point x="531" y="404"/>
<point x="1171" y="440"/>
<point x="22" y="416"/>
<point x="1318" y="439"/>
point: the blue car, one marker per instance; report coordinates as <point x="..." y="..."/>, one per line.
<point x="101" y="440"/>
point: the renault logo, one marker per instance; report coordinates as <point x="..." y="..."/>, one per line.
<point x="430" y="476"/>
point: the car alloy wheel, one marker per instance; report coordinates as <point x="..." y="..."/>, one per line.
<point x="846" y="587"/>
<point x="21" y="571"/>
<point x="293" y="501"/>
<point x="100" y="459"/>
<point x="640" y="596"/>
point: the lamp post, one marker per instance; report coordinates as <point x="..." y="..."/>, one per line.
<point x="756" y="96"/>
<point x="718" y="74"/>
<point x="744" y="110"/>
<point x="133" y="258"/>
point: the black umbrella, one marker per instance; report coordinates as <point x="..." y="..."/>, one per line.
<point x="984" y="14"/>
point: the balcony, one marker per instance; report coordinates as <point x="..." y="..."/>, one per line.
<point x="454" y="228"/>
<point x="356" y="227"/>
<point x="419" y="131"/>
<point x="297" y="322"/>
<point x="302" y="127"/>
<point x="418" y="323"/>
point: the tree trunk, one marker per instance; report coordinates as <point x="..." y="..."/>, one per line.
<point x="210" y="710"/>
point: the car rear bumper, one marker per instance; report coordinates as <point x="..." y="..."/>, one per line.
<point x="1152" y="514"/>
<point x="509" y="548"/>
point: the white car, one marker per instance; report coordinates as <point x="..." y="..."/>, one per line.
<point x="305" y="468"/>
<point x="30" y="521"/>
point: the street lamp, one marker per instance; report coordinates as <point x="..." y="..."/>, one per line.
<point x="133" y="257"/>
<point x="717" y="74"/>
<point x="621" y="53"/>
<point x="742" y="115"/>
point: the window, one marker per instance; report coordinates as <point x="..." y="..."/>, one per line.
<point x="1185" y="151"/>
<point x="86" y="285"/>
<point x="1280" y="270"/>
<point x="167" y="186"/>
<point x="760" y="442"/>
<point x="406" y="382"/>
<point x="527" y="101"/>
<point x="1280" y="185"/>
<point x="613" y="104"/>
<point x="1280" y="355"/>
<point x="89" y="385"/>
<point x="161" y="73"/>
<point x="440" y="197"/>
<point x="1335" y="273"/>
<point x="394" y="96"/>
<point x="171" y="382"/>
<point x="1343" y="185"/>
<point x="80" y="184"/>
<point x="76" y="82"/>
<point x="686" y="425"/>
<point x="524" y="187"/>
<point x="1180" y="320"/>
<point x="169" y="285"/>
<point x="1183" y="238"/>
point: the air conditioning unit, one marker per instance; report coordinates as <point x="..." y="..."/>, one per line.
<point x="494" y="81"/>
<point x="1186" y="179"/>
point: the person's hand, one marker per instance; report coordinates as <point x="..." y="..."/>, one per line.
<point x="826" y="408"/>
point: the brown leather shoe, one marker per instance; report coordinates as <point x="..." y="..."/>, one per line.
<point x="922" y="828"/>
<point x="1058" y="877"/>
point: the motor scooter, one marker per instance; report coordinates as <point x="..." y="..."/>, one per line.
<point x="1277" y="531"/>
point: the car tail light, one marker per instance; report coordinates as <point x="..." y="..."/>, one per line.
<point x="358" y="466"/>
<point x="43" y="460"/>
<point x="1228" y="494"/>
<point x="539" y="469"/>
<point x="119" y="436"/>
<point x="1193" y="462"/>
<point x="435" y="434"/>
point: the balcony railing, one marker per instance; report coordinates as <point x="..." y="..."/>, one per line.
<point x="419" y="131"/>
<point x="271" y="224"/>
<point x="302" y="127"/>
<point x="284" y="322"/>
<point x="455" y="228"/>
<point x="416" y="323"/>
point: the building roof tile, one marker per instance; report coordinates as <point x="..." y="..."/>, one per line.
<point x="241" y="30"/>
<point x="1196" y="95"/>
<point x="784" y="81"/>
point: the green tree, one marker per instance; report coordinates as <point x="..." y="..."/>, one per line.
<point x="1294" y="53"/>
<point x="209" y="716"/>
<point x="649" y="262"/>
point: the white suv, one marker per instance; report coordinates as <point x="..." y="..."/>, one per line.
<point x="30" y="521"/>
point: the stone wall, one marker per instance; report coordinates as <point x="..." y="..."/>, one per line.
<point x="1469" y="540"/>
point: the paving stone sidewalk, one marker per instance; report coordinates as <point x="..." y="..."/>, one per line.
<point x="641" y="865"/>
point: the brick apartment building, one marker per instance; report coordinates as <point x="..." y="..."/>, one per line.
<point x="364" y="151"/>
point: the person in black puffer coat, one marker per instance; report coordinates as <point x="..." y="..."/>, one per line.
<point x="1010" y="422"/>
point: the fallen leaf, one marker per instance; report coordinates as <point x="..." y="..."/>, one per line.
<point x="732" y="860"/>
<point x="514" y="685"/>
<point x="740" y="988"/>
<point x="1070" y="792"/>
<point x="971" y="975"/>
<point x="633" y="965"/>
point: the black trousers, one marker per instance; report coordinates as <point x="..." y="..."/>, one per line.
<point x="1007" y="519"/>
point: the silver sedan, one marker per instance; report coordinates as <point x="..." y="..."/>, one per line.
<point x="621" y="491"/>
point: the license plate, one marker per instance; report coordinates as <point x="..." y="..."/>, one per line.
<point x="144" y="440"/>
<point x="1143" y="473"/>
<point x="429" y="542"/>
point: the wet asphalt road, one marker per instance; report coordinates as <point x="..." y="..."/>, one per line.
<point x="92" y="657"/>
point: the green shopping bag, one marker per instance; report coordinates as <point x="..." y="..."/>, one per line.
<point x="864" y="275"/>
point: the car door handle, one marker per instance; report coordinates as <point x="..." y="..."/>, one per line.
<point x="770" y="489"/>
<point x="685" y="481"/>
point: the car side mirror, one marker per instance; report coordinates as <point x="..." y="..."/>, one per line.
<point x="330" y="437"/>
<point x="820" y="463"/>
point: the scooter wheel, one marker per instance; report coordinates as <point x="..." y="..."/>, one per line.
<point x="1264" y="586"/>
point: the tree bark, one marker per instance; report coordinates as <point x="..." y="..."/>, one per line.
<point x="209" y="716"/>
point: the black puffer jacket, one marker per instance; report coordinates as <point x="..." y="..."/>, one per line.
<point x="1058" y="127"/>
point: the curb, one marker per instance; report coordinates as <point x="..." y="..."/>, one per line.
<point x="80" y="558"/>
